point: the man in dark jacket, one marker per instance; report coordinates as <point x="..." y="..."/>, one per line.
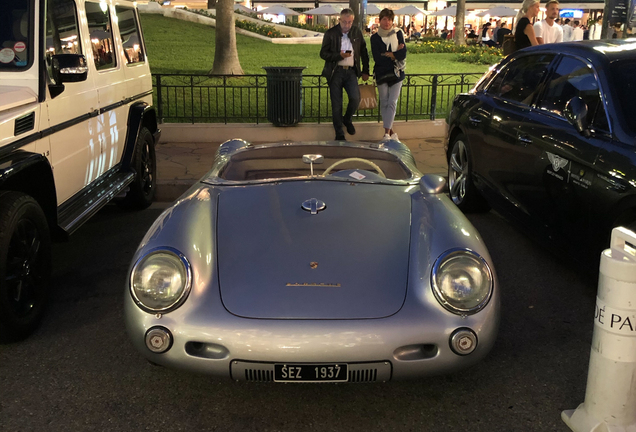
<point x="342" y="48"/>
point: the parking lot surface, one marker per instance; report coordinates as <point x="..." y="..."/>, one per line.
<point x="80" y="371"/>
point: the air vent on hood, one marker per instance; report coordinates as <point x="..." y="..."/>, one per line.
<point x="24" y="124"/>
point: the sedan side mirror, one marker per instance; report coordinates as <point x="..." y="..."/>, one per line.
<point x="576" y="113"/>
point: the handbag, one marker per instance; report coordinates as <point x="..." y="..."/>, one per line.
<point x="368" y="99"/>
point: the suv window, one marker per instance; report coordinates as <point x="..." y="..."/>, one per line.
<point x="574" y="78"/>
<point x="101" y="33"/>
<point x="129" y="30"/>
<point x="62" y="34"/>
<point x="16" y="38"/>
<point x="520" y="80"/>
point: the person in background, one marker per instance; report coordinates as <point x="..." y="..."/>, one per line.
<point x="494" y="32"/>
<point x="502" y="32"/>
<point x="548" y="31"/>
<point x="486" y="34"/>
<point x="567" y="30"/>
<point x="343" y="47"/>
<point x="416" y="32"/>
<point x="444" y="34"/>
<point x="389" y="54"/>
<point x="595" y="29"/>
<point x="618" y="32"/>
<point x="577" y="31"/>
<point x="375" y="26"/>
<point x="524" y="31"/>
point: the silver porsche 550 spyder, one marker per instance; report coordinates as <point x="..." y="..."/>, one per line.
<point x="313" y="262"/>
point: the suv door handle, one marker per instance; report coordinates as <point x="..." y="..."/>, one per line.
<point x="474" y="120"/>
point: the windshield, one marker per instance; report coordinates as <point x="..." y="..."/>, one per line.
<point x="352" y="164"/>
<point x="623" y="72"/>
<point x="16" y="35"/>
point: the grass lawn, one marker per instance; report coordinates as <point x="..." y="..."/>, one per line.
<point x="179" y="46"/>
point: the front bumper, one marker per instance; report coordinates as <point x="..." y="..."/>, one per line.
<point x="402" y="346"/>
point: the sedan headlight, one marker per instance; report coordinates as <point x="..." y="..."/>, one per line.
<point x="462" y="281"/>
<point x="160" y="280"/>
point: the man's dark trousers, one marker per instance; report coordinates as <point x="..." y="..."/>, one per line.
<point x="343" y="79"/>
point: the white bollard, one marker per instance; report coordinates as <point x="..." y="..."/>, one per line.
<point x="610" y="397"/>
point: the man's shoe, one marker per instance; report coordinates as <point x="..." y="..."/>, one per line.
<point x="350" y="129"/>
<point x="340" y="138"/>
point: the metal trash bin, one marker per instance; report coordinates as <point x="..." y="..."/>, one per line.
<point x="284" y="95"/>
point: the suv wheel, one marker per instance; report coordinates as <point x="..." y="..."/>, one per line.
<point x="25" y="265"/>
<point x="143" y="188"/>
<point x="460" y="178"/>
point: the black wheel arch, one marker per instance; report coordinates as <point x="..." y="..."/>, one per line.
<point x="31" y="174"/>
<point x="453" y="131"/>
<point x="141" y="115"/>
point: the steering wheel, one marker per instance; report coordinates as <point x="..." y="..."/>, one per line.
<point x="368" y="162"/>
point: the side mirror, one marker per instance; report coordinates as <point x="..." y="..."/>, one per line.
<point x="432" y="184"/>
<point x="576" y="113"/>
<point x="68" y="68"/>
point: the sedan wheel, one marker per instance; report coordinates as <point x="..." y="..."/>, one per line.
<point x="462" y="190"/>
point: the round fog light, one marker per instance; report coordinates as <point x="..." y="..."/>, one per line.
<point x="463" y="341"/>
<point x="158" y="340"/>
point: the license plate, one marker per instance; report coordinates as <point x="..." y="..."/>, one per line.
<point x="310" y="372"/>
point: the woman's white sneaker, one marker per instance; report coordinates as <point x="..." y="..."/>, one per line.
<point x="394" y="137"/>
<point x="386" y="137"/>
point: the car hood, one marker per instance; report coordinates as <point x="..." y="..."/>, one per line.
<point x="348" y="261"/>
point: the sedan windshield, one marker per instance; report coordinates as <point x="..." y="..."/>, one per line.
<point x="15" y="34"/>
<point x="623" y="72"/>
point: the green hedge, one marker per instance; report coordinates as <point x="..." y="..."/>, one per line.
<point x="262" y="29"/>
<point x="467" y="53"/>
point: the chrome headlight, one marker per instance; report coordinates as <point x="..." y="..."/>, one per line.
<point x="462" y="281"/>
<point x="160" y="280"/>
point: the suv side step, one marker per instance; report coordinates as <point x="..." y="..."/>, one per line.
<point x="72" y="215"/>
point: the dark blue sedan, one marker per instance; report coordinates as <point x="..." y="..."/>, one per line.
<point x="548" y="138"/>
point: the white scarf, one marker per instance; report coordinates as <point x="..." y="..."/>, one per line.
<point x="389" y="37"/>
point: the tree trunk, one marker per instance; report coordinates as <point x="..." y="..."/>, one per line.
<point x="226" y="61"/>
<point x="459" y="23"/>
<point x="211" y="4"/>
<point x="357" y="7"/>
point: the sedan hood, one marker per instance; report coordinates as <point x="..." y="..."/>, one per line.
<point x="348" y="261"/>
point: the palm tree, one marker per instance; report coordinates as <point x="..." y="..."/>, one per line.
<point x="459" y="23"/>
<point x="226" y="61"/>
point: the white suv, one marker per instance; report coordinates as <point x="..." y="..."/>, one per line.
<point x="77" y="129"/>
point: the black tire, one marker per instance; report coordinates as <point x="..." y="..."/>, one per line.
<point x="461" y="188"/>
<point x="143" y="188"/>
<point x="25" y="265"/>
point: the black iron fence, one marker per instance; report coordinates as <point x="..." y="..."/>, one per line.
<point x="183" y="98"/>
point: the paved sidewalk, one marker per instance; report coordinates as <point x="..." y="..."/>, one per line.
<point x="180" y="165"/>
